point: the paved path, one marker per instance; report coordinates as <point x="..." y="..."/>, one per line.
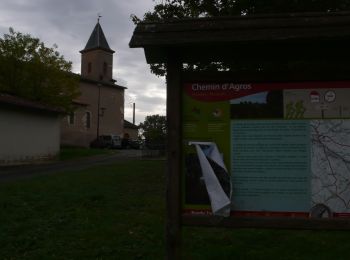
<point x="27" y="171"/>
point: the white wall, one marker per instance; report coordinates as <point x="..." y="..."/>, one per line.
<point x="26" y="136"/>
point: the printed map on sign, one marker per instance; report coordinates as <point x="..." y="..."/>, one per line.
<point x="330" y="166"/>
<point x="286" y="146"/>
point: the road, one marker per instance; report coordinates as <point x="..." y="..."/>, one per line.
<point x="27" y="171"/>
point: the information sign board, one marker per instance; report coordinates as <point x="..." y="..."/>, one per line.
<point x="270" y="149"/>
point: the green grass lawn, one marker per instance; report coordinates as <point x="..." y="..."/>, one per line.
<point x="70" y="153"/>
<point x="117" y="212"/>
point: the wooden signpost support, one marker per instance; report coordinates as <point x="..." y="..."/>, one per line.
<point x="173" y="180"/>
<point x="299" y="47"/>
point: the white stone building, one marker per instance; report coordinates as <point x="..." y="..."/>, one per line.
<point x="29" y="131"/>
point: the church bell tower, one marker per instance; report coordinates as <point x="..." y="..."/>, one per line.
<point x="97" y="57"/>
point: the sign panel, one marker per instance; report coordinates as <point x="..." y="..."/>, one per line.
<point x="270" y="149"/>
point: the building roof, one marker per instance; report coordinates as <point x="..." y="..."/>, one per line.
<point x="130" y="125"/>
<point x="103" y="83"/>
<point x="261" y="36"/>
<point x="78" y="102"/>
<point x="14" y="101"/>
<point x="97" y="41"/>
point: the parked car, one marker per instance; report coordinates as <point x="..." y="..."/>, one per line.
<point x="134" y="144"/>
<point x="130" y="144"/>
<point x="107" y="141"/>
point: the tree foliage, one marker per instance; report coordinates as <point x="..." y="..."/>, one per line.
<point x="154" y="131"/>
<point x="31" y="70"/>
<point x="182" y="9"/>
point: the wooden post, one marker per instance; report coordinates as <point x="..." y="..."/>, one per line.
<point x="173" y="178"/>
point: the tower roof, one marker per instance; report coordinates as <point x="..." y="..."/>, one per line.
<point x="97" y="40"/>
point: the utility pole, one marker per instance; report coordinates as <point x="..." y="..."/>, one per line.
<point x="98" y="110"/>
<point x="133" y="113"/>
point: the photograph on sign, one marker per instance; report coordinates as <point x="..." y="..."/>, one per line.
<point x="266" y="149"/>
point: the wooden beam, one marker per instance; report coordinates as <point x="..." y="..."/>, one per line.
<point x="267" y="222"/>
<point x="241" y="28"/>
<point x="317" y="49"/>
<point x="310" y="73"/>
<point x="173" y="180"/>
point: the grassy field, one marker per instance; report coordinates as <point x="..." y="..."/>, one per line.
<point x="70" y="153"/>
<point x="117" y="212"/>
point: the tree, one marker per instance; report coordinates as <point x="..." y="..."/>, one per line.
<point x="181" y="9"/>
<point x="154" y="131"/>
<point x="31" y="70"/>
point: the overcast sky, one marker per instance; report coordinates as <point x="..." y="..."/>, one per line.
<point x="69" y="23"/>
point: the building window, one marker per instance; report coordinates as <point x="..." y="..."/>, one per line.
<point x="71" y="118"/>
<point x="89" y="67"/>
<point x="87" y="119"/>
<point x="104" y="68"/>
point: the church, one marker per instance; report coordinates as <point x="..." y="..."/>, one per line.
<point x="100" y="108"/>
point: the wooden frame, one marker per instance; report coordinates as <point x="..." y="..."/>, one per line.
<point x="309" y="37"/>
<point x="263" y="222"/>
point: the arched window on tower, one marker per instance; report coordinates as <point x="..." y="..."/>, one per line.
<point x="71" y="118"/>
<point x="87" y="119"/>
<point x="89" y="67"/>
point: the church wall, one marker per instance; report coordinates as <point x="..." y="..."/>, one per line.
<point x="76" y="133"/>
<point x="111" y="115"/>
